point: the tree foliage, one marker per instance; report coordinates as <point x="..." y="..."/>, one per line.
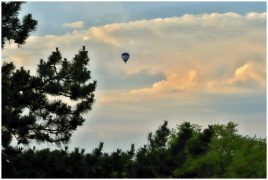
<point x="12" y="27"/>
<point x="37" y="107"/>
<point x="184" y="152"/>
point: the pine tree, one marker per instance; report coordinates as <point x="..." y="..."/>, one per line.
<point x="12" y="28"/>
<point x="35" y="108"/>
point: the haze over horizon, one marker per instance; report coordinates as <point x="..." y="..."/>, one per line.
<point x="199" y="62"/>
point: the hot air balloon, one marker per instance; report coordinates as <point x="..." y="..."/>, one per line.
<point x="125" y="56"/>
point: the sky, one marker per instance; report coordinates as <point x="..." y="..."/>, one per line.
<point x="202" y="62"/>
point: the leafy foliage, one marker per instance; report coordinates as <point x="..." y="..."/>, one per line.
<point x="184" y="152"/>
<point x="12" y="28"/>
<point x="33" y="107"/>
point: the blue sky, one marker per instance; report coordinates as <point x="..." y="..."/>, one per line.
<point x="203" y="62"/>
<point x="52" y="15"/>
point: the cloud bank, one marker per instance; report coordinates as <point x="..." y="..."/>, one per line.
<point x="180" y="68"/>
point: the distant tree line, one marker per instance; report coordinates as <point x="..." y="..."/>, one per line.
<point x="184" y="152"/>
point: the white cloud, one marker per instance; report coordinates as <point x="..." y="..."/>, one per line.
<point x="74" y="25"/>
<point x="174" y="82"/>
<point x="249" y="74"/>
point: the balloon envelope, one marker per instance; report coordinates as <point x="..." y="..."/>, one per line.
<point x="125" y="56"/>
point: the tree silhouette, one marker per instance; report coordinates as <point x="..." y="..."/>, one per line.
<point x="37" y="107"/>
<point x="12" y="28"/>
<point x="152" y="158"/>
